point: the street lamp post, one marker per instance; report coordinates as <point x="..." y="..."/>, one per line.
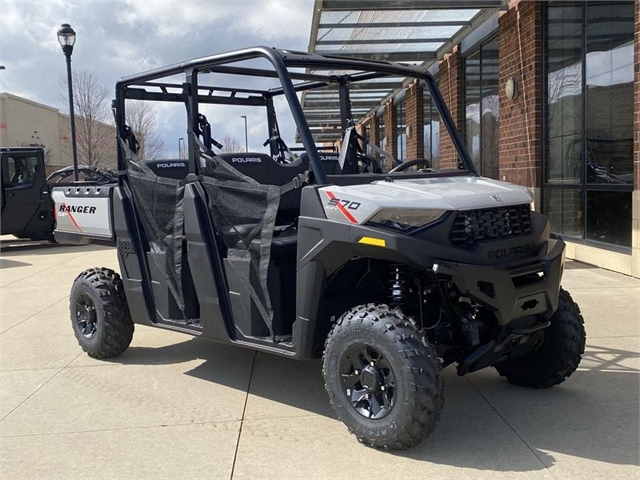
<point x="181" y="148"/>
<point x="67" y="38"/>
<point x="246" y="138"/>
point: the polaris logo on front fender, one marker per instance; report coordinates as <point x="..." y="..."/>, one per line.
<point x="510" y="252"/>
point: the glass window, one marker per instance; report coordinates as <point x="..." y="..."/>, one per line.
<point x="489" y="110"/>
<point x="609" y="87"/>
<point x="564" y="94"/>
<point x="401" y="131"/>
<point x="609" y="217"/>
<point x="21" y="171"/>
<point x="481" y="108"/>
<point x="382" y="134"/>
<point x="564" y="208"/>
<point x="472" y="108"/>
<point x="589" y="119"/>
<point x="431" y="129"/>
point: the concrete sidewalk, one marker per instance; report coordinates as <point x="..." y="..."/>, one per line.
<point x="180" y="408"/>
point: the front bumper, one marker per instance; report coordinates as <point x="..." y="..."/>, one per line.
<point x="512" y="292"/>
<point x="522" y="298"/>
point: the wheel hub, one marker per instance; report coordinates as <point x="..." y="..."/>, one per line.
<point x="86" y="318"/>
<point x="368" y="381"/>
<point x="371" y="379"/>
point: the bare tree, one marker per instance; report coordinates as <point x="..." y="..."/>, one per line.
<point x="231" y="145"/>
<point x="95" y="134"/>
<point x="142" y="118"/>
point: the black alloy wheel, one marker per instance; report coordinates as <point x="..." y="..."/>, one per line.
<point x="368" y="381"/>
<point x="86" y="317"/>
<point x="383" y="377"/>
<point x="99" y="313"/>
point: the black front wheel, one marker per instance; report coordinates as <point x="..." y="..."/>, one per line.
<point x="383" y="378"/>
<point x="559" y="354"/>
<point x="99" y="313"/>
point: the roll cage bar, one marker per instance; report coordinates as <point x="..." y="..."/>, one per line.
<point x="146" y="86"/>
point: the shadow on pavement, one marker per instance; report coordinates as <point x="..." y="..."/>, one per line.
<point x="289" y="382"/>
<point x="186" y="351"/>
<point x="4" y="263"/>
<point x="589" y="416"/>
<point x="594" y="415"/>
<point x="573" y="265"/>
<point x="19" y="247"/>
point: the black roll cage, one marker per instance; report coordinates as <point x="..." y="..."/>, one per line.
<point x="146" y="86"/>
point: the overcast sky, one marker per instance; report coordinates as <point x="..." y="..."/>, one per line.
<point x="120" y="38"/>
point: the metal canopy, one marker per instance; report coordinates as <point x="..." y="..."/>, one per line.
<point x="417" y="32"/>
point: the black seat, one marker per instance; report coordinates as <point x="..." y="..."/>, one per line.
<point x="329" y="162"/>
<point x="264" y="170"/>
<point x="284" y="244"/>
<point x="173" y="168"/>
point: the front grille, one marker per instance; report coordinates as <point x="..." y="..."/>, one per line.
<point x="474" y="226"/>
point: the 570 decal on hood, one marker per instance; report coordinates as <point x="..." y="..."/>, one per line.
<point x="343" y="206"/>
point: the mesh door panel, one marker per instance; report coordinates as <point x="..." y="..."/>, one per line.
<point x="243" y="212"/>
<point x="158" y="203"/>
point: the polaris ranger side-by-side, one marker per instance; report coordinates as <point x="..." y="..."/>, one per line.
<point x="389" y="273"/>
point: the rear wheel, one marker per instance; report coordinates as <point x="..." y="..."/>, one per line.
<point x="99" y="313"/>
<point x="383" y="379"/>
<point x="559" y="354"/>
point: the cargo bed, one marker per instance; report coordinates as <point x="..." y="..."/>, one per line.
<point x="83" y="213"/>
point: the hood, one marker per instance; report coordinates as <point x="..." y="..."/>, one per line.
<point x="441" y="193"/>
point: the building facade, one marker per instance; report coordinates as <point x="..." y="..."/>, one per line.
<point x="546" y="95"/>
<point x="24" y="122"/>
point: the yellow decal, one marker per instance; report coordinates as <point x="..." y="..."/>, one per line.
<point x="378" y="242"/>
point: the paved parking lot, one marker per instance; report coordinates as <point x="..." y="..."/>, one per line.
<point x="180" y="408"/>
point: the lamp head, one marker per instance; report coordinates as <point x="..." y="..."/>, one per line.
<point x="66" y="38"/>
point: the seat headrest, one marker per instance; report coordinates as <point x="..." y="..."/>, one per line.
<point x="324" y="157"/>
<point x="245" y="159"/>
<point x="262" y="168"/>
<point x="172" y="168"/>
<point x="329" y="161"/>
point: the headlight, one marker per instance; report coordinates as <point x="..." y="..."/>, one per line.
<point x="405" y="219"/>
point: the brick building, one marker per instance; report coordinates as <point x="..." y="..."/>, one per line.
<point x="544" y="94"/>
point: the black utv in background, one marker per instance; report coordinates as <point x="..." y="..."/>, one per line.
<point x="27" y="201"/>
<point x="390" y="271"/>
<point x="27" y="208"/>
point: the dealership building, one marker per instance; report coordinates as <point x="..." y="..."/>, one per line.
<point x="545" y="94"/>
<point x="24" y="122"/>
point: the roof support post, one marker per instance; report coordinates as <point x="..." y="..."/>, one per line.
<point x="118" y="106"/>
<point x="345" y="105"/>
<point x="273" y="127"/>
<point x="191" y="87"/>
